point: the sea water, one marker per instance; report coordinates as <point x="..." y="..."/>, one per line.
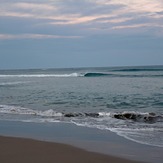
<point x="124" y="100"/>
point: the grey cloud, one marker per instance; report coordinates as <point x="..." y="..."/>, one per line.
<point x="160" y="13"/>
<point x="69" y="16"/>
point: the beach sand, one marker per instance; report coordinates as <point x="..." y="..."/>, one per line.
<point x="20" y="150"/>
<point x="63" y="143"/>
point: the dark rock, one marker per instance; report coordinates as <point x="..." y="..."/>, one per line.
<point x="94" y="115"/>
<point x="118" y="116"/>
<point x="150" y="119"/>
<point x="69" y="115"/>
<point x="130" y="116"/>
<point x="153" y="114"/>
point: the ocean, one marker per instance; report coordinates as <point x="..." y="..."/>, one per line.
<point x="125" y="100"/>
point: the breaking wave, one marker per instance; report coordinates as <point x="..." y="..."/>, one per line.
<point x="82" y="74"/>
<point x="96" y="74"/>
<point x="89" y="74"/>
<point x="40" y="75"/>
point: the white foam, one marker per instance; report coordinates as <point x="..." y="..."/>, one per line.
<point x="143" y="136"/>
<point x="48" y="120"/>
<point x="50" y="113"/>
<point x="41" y="75"/>
<point x="104" y="114"/>
<point x="16" y="110"/>
<point x="25" y="111"/>
<point x="146" y="136"/>
<point x="12" y="83"/>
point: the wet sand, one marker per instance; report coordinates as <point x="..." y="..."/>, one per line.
<point x="20" y="150"/>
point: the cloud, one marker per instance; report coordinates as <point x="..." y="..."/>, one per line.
<point x="34" y="6"/>
<point x="79" y="30"/>
<point x="137" y="26"/>
<point x="134" y="5"/>
<point x="24" y="9"/>
<point x="34" y="36"/>
<point x="86" y="14"/>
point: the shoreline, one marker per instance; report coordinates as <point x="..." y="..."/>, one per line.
<point x="86" y="139"/>
<point x="21" y="150"/>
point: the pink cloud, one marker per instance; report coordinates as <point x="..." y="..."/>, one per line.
<point x="34" y="36"/>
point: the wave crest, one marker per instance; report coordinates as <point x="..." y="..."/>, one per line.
<point x="41" y="75"/>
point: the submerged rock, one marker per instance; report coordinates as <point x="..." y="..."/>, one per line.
<point x="95" y="115"/>
<point x="148" y="118"/>
<point x="69" y="115"/>
<point x="124" y="116"/>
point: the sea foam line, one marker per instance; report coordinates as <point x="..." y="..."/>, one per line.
<point x="41" y="75"/>
<point x="133" y="116"/>
<point x="13" y="83"/>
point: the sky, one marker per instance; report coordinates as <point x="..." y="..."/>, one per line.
<point x="80" y="33"/>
